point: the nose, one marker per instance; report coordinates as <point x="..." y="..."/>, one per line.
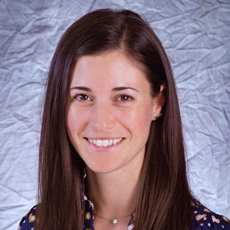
<point x="102" y="117"/>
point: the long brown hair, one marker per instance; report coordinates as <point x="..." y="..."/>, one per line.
<point x="163" y="196"/>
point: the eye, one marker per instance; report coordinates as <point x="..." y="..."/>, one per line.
<point x="124" y="97"/>
<point x="82" y="97"/>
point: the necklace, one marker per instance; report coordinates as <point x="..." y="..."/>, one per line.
<point x="114" y="221"/>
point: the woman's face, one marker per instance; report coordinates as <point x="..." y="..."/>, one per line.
<point x="110" y="111"/>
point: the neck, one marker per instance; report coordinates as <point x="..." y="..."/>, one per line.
<point x="113" y="194"/>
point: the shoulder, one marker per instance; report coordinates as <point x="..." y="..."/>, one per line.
<point x="204" y="219"/>
<point x="28" y="221"/>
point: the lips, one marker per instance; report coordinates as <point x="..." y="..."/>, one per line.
<point x="105" y="142"/>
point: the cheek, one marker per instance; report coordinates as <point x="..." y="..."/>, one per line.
<point x="70" y="121"/>
<point x="74" y="122"/>
<point x="137" y="120"/>
<point x="144" y="122"/>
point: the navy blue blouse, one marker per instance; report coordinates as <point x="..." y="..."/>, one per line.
<point x="202" y="219"/>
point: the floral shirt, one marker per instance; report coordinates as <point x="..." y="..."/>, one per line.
<point x="202" y="219"/>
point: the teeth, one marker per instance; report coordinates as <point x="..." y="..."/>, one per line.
<point x="91" y="141"/>
<point x="105" y="143"/>
<point x="99" y="142"/>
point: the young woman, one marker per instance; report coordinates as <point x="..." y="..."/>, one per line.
<point x="111" y="149"/>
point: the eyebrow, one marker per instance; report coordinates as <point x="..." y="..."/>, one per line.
<point x="82" y="88"/>
<point x="114" y="89"/>
<point x="123" y="88"/>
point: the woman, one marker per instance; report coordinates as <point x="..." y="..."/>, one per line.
<point x="111" y="149"/>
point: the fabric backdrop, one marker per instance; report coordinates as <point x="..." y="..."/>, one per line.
<point x="196" y="35"/>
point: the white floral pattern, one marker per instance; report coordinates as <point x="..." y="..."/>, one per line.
<point x="202" y="219"/>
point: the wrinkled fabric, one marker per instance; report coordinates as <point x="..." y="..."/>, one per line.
<point x="196" y="35"/>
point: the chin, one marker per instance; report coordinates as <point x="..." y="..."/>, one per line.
<point x="102" y="168"/>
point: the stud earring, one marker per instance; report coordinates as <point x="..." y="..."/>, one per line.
<point x="156" y="117"/>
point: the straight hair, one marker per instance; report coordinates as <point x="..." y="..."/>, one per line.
<point x="163" y="198"/>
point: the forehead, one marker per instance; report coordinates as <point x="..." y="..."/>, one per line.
<point x="108" y="68"/>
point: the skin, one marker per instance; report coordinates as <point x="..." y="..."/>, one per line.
<point x="110" y="99"/>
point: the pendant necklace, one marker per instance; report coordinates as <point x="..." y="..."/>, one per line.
<point x="114" y="221"/>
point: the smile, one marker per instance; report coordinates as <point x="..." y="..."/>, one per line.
<point x="104" y="143"/>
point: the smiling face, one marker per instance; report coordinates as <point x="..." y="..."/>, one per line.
<point x="110" y="111"/>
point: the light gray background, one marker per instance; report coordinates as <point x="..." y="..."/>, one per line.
<point x="196" y="35"/>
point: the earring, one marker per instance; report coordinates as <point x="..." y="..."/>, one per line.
<point x="156" y="117"/>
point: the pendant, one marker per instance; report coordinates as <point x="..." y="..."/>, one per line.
<point x="115" y="221"/>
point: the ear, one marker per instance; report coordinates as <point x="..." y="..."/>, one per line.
<point x="158" y="103"/>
